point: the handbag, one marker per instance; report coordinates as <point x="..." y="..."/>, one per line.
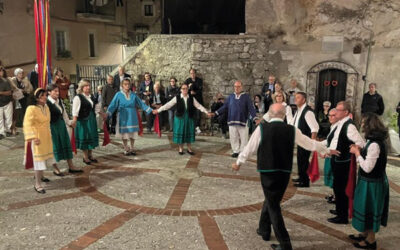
<point x="17" y="94"/>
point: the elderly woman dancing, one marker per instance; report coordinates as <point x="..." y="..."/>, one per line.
<point x="125" y="103"/>
<point x="186" y="106"/>
<point x="37" y="131"/>
<point x="84" y="121"/>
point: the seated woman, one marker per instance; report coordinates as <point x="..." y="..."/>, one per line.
<point x="280" y="97"/>
<point x="186" y="106"/>
<point x="157" y="99"/>
<point x="37" y="132"/>
<point x="323" y="120"/>
<point x="84" y="121"/>
<point x="125" y="103"/>
<point x="371" y="196"/>
<point x="59" y="134"/>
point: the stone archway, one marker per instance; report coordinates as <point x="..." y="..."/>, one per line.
<point x="351" y="83"/>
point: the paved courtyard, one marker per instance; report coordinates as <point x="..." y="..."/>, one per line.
<point x="161" y="200"/>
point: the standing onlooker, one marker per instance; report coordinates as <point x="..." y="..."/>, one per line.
<point x="84" y="121"/>
<point x="345" y="135"/>
<point x="270" y="85"/>
<point x="323" y="120"/>
<point x="196" y="90"/>
<point x="121" y="75"/>
<point x="6" y="104"/>
<point x="240" y="109"/>
<point x="157" y="99"/>
<point x="279" y="97"/>
<point x="372" y="101"/>
<point x="22" y="83"/>
<point x="304" y="119"/>
<point x="170" y="92"/>
<point x="279" y="88"/>
<point x="37" y="131"/>
<point x="63" y="84"/>
<point x="107" y="95"/>
<point x="97" y="108"/>
<point x="125" y="103"/>
<point x="371" y="196"/>
<point x="222" y="118"/>
<point x="258" y="105"/>
<point x="146" y="88"/>
<point x="292" y="92"/>
<point x="33" y="77"/>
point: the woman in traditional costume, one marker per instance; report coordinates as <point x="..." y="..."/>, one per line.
<point x="59" y="134"/>
<point x="125" y="103"/>
<point x="184" y="130"/>
<point x="84" y="121"/>
<point x="371" y="196"/>
<point x="38" y="144"/>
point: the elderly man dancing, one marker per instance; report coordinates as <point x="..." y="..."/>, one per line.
<point x="274" y="142"/>
<point x="239" y="108"/>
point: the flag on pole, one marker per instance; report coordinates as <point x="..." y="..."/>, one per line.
<point x="43" y="41"/>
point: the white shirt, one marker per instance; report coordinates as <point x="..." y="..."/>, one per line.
<point x="76" y="104"/>
<point x="289" y="115"/>
<point x="310" y="119"/>
<point x="352" y="134"/>
<point x="65" y="116"/>
<point x="121" y="78"/>
<point x="300" y="139"/>
<point x="333" y="126"/>
<point x="372" y="156"/>
<point x="172" y="103"/>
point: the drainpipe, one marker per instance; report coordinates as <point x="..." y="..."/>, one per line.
<point x="371" y="36"/>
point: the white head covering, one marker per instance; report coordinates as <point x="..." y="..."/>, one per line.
<point x="17" y="71"/>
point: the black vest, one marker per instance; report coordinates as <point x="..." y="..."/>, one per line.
<point x="330" y="136"/>
<point x="180" y="106"/>
<point x="302" y="125"/>
<point x="86" y="107"/>
<point x="380" y="166"/>
<point x="55" y="113"/>
<point x="344" y="143"/>
<point x="275" y="152"/>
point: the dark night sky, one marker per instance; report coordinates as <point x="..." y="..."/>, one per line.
<point x="205" y="16"/>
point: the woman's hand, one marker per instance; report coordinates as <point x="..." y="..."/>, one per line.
<point x="73" y="124"/>
<point x="354" y="149"/>
<point x="155" y="111"/>
<point x="36" y="141"/>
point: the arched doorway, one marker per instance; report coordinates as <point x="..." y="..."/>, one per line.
<point x="331" y="87"/>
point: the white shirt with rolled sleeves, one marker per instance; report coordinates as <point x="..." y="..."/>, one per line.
<point x="76" y="104"/>
<point x="352" y="134"/>
<point x="65" y="115"/>
<point x="309" y="117"/>
<point x="299" y="139"/>
<point x="372" y="156"/>
<point x="172" y="103"/>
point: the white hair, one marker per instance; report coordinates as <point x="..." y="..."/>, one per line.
<point x="17" y="71"/>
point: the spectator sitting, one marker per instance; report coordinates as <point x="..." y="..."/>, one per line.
<point x="157" y="99"/>
<point x="258" y="105"/>
<point x="323" y="120"/>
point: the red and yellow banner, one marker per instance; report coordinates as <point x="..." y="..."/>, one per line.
<point x="43" y="44"/>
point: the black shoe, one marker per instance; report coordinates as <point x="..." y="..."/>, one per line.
<point x="9" y="134"/>
<point x="87" y="162"/>
<point x="338" y="220"/>
<point x="181" y="153"/>
<point x="190" y="152"/>
<point x="357" y="237"/>
<point x="44" y="179"/>
<point x="367" y="245"/>
<point x="75" y="171"/>
<point x="2" y="136"/>
<point x="132" y="153"/>
<point x="40" y="190"/>
<point x="58" y="174"/>
<point x="235" y="155"/>
<point x="332" y="201"/>
<point x="91" y="159"/>
<point x="296" y="180"/>
<point x="265" y="236"/>
<point x="302" y="184"/>
<point x="276" y="246"/>
<point x="332" y="211"/>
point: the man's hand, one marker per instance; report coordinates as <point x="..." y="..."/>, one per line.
<point x="334" y="152"/>
<point x="155" y="111"/>
<point x="235" y="167"/>
<point x="258" y="121"/>
<point x="354" y="149"/>
<point x="192" y="92"/>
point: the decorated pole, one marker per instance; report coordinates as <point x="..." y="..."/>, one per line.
<point x="43" y="38"/>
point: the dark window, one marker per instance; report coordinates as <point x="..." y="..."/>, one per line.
<point x="148" y="10"/>
<point x="91" y="46"/>
<point x="60" y="42"/>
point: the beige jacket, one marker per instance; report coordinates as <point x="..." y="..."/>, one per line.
<point x="28" y="86"/>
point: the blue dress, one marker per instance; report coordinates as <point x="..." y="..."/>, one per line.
<point x="126" y="107"/>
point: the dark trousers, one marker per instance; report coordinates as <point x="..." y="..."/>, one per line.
<point x="197" y="118"/>
<point x="274" y="185"/>
<point x="303" y="157"/>
<point x="340" y="178"/>
<point x="150" y="120"/>
<point x="111" y="123"/>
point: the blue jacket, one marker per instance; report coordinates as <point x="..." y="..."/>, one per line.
<point x="240" y="109"/>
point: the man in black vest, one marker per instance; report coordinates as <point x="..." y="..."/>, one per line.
<point x="274" y="142"/>
<point x="345" y="135"/>
<point x="304" y="119"/>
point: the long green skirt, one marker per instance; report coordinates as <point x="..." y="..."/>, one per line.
<point x="61" y="142"/>
<point x="183" y="129"/>
<point x="371" y="204"/>
<point x="328" y="175"/>
<point x="86" y="135"/>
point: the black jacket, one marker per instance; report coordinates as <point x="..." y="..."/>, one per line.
<point x="372" y="103"/>
<point x="107" y="95"/>
<point x="117" y="82"/>
<point x="162" y="98"/>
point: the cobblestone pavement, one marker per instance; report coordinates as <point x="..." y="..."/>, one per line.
<point x="161" y="200"/>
